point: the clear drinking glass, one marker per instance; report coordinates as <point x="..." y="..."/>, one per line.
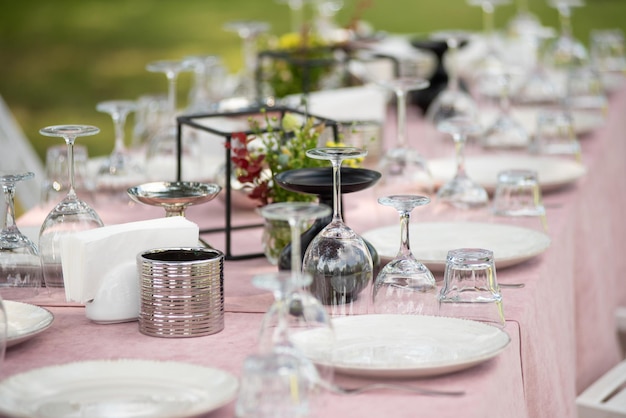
<point x="404" y="285"/>
<point x="470" y="288"/>
<point x="338" y="259"/>
<point x="517" y="199"/>
<point x="68" y="216"/>
<point x="403" y="166"/>
<point x="120" y="169"/>
<point x="208" y="81"/>
<point x="20" y="266"/>
<point x="452" y="101"/>
<point x="555" y="135"/>
<point x="461" y="192"/>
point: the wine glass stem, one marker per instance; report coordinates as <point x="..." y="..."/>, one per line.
<point x="488" y="11"/>
<point x="119" y="121"/>
<point x="296" y="226"/>
<point x="459" y="147"/>
<point x="249" y="60"/>
<point x="405" y="246"/>
<point x="565" y="19"/>
<point x="172" y="77"/>
<point x="336" y="189"/>
<point x="70" y="166"/>
<point x="453" y="81"/>
<point x="9" y="193"/>
<point x="505" y="102"/>
<point x="401" y="113"/>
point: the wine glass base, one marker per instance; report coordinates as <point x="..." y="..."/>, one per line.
<point x="506" y="132"/>
<point x="462" y="192"/>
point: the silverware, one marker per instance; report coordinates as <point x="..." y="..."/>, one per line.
<point x="512" y="285"/>
<point x="390" y="386"/>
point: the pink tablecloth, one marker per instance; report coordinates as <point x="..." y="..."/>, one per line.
<point x="561" y="323"/>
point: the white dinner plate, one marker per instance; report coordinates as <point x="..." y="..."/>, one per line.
<point x="117" y="388"/>
<point x="552" y="172"/>
<point x="431" y="241"/>
<point x="406" y="345"/>
<point x="585" y="121"/>
<point x="25" y="321"/>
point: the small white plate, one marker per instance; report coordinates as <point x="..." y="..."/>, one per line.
<point x="552" y="172"/>
<point x="407" y="345"/>
<point x="431" y="241"/>
<point x="117" y="388"/>
<point x="25" y="321"/>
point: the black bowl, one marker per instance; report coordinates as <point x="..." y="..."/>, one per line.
<point x="319" y="180"/>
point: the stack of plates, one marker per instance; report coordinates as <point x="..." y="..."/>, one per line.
<point x="182" y="299"/>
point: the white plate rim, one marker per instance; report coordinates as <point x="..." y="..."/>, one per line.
<point x="454" y="365"/>
<point x="443" y="169"/>
<point x="438" y="265"/>
<point x="125" y="367"/>
<point x="45" y="321"/>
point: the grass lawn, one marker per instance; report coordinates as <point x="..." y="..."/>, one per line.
<point x="59" y="58"/>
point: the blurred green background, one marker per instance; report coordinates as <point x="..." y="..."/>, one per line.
<point x="59" y="58"/>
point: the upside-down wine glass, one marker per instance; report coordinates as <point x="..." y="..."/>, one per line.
<point x="505" y="131"/>
<point x="403" y="166"/>
<point x="565" y="51"/>
<point x="404" y="285"/>
<point x="452" y="101"/>
<point x="295" y="305"/>
<point x="488" y="7"/>
<point x="68" y="216"/>
<point x="338" y="259"/>
<point x="461" y="191"/>
<point x="162" y="147"/>
<point x="120" y="169"/>
<point x="248" y="31"/>
<point x="20" y="266"/>
<point x="281" y="380"/>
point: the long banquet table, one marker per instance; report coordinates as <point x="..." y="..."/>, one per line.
<point x="561" y="324"/>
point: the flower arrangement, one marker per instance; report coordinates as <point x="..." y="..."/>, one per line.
<point x="297" y="62"/>
<point x="259" y="157"/>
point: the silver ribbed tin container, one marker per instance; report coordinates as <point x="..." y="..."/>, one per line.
<point x="182" y="292"/>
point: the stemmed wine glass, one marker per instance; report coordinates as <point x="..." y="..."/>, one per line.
<point x="162" y="147"/>
<point x="505" y="131"/>
<point x="20" y="266"/>
<point x="120" y="168"/>
<point x="565" y="51"/>
<point x="524" y="23"/>
<point x="68" y="216"/>
<point x="452" y="101"/>
<point x="404" y="285"/>
<point x="295" y="317"/>
<point x="248" y="31"/>
<point x="338" y="259"/>
<point x="488" y="7"/>
<point x="461" y="191"/>
<point x="401" y="165"/>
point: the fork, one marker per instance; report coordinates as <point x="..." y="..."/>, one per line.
<point x="390" y="386"/>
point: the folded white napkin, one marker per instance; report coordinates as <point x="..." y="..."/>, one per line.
<point x="88" y="257"/>
<point x="349" y="104"/>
